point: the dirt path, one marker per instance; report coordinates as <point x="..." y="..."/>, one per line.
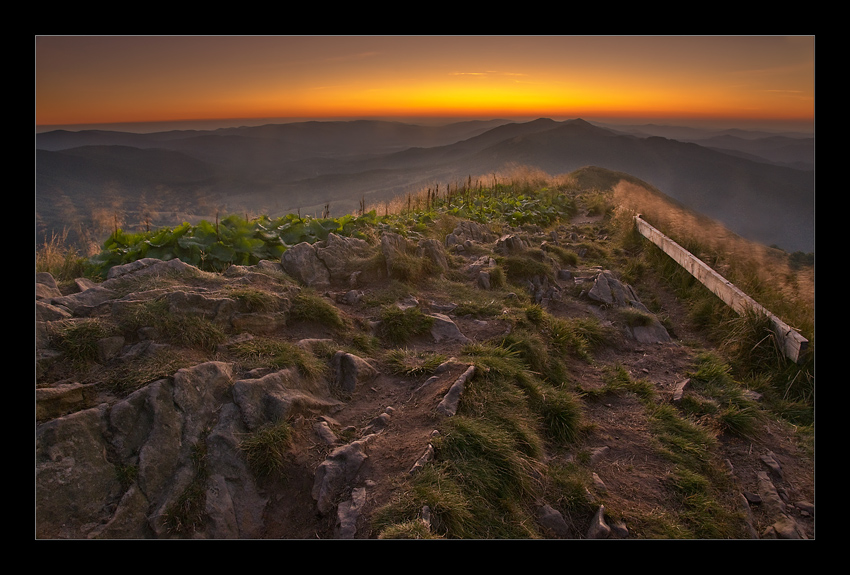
<point x="632" y="470"/>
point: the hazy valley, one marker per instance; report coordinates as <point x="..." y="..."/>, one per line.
<point x="761" y="186"/>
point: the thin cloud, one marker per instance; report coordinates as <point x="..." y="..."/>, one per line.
<point x="349" y="57"/>
<point x="487" y="73"/>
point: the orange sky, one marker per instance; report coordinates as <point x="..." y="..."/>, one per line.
<point x="90" y="80"/>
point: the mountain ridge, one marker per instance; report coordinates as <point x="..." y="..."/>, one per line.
<point x="770" y="203"/>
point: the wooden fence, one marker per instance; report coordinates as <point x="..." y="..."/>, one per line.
<point x="793" y="344"/>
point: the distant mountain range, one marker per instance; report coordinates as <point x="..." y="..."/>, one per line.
<point x="760" y="186"/>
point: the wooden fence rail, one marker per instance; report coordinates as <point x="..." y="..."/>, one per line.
<point x="793" y="344"/>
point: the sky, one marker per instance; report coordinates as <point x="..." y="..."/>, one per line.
<point x="727" y="81"/>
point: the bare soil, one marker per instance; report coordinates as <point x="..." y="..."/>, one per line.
<point x="633" y="472"/>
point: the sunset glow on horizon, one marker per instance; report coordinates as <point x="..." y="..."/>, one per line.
<point x="121" y="79"/>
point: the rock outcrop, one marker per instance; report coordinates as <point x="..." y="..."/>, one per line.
<point x="610" y="291"/>
<point x="336" y="259"/>
<point x="130" y="467"/>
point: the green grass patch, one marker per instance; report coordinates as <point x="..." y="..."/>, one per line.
<point x="525" y="267"/>
<point x="255" y="300"/>
<point x="265" y="448"/>
<point x="698" y="479"/>
<point x="562" y="255"/>
<point x="181" y="329"/>
<point x="403" y="361"/>
<point x="188" y="512"/>
<point x="398" y="325"/>
<point x="410" y="269"/>
<point x="388" y="293"/>
<point x="487" y="472"/>
<point x="78" y="339"/>
<point x="278" y="354"/>
<point x="714" y="393"/>
<point x="634" y="317"/>
<point x="127" y="377"/>
<point x="310" y="306"/>
<point x="577" y="335"/>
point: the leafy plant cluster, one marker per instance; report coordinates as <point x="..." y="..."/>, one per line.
<point x="237" y="240"/>
<point x="543" y="207"/>
<point x="232" y="241"/>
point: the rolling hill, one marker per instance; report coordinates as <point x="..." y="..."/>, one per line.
<point x="304" y="166"/>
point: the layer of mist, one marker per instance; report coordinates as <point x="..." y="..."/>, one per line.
<point x="758" y="184"/>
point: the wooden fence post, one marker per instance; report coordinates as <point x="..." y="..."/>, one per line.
<point x="793" y="344"/>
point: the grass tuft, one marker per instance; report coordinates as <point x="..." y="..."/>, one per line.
<point x="413" y="363"/>
<point x="266" y="447"/>
<point x="279" y="354"/>
<point x="78" y="339"/>
<point x="310" y="306"/>
<point x="398" y="325"/>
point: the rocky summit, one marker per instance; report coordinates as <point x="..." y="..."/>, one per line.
<point x="156" y="387"/>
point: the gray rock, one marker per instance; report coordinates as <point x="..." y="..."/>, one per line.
<point x="48" y="312"/>
<point x="444" y="329"/>
<point x="552" y="520"/>
<point x="610" y="291"/>
<point x="45" y="286"/>
<point x="325" y="433"/>
<point x="74" y="480"/>
<point x="52" y="402"/>
<point x="483" y="280"/>
<point x="348" y="513"/>
<point x="83" y="303"/>
<point x="336" y="472"/>
<point x="448" y="405"/>
<point x="599" y="529"/>
<point x="351" y="371"/>
<point x="427" y="456"/>
<point x="341" y="255"/>
<point x="434" y="251"/>
<point x="151" y="266"/>
<point x="275" y="397"/>
<point x="303" y="264"/>
<point x="216" y="309"/>
<point x="392" y="247"/>
<point x="468" y="230"/>
<point x="234" y="504"/>
<point x="510" y="244"/>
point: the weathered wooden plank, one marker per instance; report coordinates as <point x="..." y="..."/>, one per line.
<point x="793" y="344"/>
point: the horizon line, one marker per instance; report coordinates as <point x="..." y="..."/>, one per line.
<point x="149" y="126"/>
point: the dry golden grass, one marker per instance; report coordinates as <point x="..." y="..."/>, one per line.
<point x="741" y="261"/>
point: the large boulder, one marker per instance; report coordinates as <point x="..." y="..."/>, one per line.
<point x="332" y="260"/>
<point x="343" y="256"/>
<point x="275" y="397"/>
<point x="74" y="480"/>
<point x="302" y="263"/>
<point x="336" y="472"/>
<point x="510" y="244"/>
<point x="607" y="289"/>
<point x="444" y="329"/>
<point x="83" y="485"/>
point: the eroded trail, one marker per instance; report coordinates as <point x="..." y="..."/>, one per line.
<point x="386" y="421"/>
